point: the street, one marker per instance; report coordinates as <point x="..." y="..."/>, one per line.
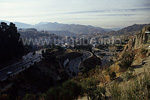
<point x="74" y="64"/>
<point x="11" y="70"/>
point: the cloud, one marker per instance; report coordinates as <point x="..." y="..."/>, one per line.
<point x="112" y="10"/>
<point x="80" y="12"/>
<point x="138" y="9"/>
<point x="117" y="15"/>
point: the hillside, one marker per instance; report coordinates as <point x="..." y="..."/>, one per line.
<point x="130" y="30"/>
<point x="141" y="39"/>
<point x="129" y="77"/>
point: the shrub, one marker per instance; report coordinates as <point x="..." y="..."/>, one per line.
<point x="4" y="97"/>
<point x="131" y="69"/>
<point x="108" y="70"/>
<point x="112" y="75"/>
<point x="143" y="51"/>
<point x="139" y="89"/>
<point x="115" y="91"/>
<point x="90" y="88"/>
<point x="30" y="97"/>
<point x="127" y="76"/>
<point x="69" y="90"/>
<point x="127" y="60"/>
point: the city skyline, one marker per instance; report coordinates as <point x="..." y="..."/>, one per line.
<point x="105" y="14"/>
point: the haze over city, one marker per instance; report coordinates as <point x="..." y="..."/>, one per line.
<point x="100" y="13"/>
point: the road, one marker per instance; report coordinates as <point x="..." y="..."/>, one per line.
<point x="73" y="66"/>
<point x="28" y="60"/>
<point x="105" y="59"/>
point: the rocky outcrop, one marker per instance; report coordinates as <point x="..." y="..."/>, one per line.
<point x="138" y="41"/>
<point x="141" y="38"/>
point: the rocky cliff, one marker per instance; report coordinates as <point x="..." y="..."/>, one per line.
<point x="139" y="41"/>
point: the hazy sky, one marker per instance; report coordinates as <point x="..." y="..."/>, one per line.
<point x="102" y="13"/>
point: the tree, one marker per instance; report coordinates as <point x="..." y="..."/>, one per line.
<point x="10" y="43"/>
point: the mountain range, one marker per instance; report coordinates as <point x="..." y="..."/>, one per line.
<point x="73" y="28"/>
<point x="129" y="30"/>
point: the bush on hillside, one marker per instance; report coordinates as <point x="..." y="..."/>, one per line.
<point x="93" y="92"/>
<point x="70" y="90"/>
<point x="112" y="75"/>
<point x="143" y="51"/>
<point x="115" y="91"/>
<point x="139" y="89"/>
<point x="126" y="60"/>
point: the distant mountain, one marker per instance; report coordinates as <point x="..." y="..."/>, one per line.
<point x="115" y="29"/>
<point x="130" y="30"/>
<point x="74" y="28"/>
<point x="63" y="33"/>
<point x="5" y="21"/>
<point x="23" y="25"/>
<point x="19" y="24"/>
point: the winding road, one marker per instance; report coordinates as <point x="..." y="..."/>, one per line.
<point x="28" y="60"/>
<point x="105" y="59"/>
<point x="73" y="66"/>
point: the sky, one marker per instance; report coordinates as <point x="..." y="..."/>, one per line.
<point x="100" y="13"/>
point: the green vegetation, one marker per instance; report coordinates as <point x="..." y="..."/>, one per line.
<point x="129" y="74"/>
<point x="139" y="89"/>
<point x="70" y="90"/>
<point x="10" y="43"/>
<point x="90" y="88"/>
<point x="84" y="47"/>
<point x="112" y="75"/>
<point x="115" y="91"/>
<point x="103" y="47"/>
<point x="90" y="63"/>
<point x="31" y="97"/>
<point x="143" y="51"/>
<point x="126" y="61"/>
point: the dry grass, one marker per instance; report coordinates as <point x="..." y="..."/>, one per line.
<point x="136" y="89"/>
<point x="68" y="51"/>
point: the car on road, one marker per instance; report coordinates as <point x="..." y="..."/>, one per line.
<point x="9" y="73"/>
